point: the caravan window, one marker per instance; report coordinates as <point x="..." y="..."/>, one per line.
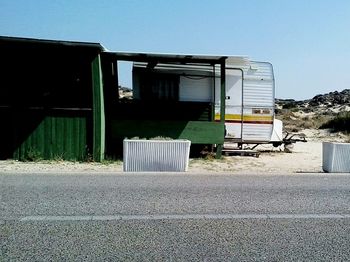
<point x="155" y="86"/>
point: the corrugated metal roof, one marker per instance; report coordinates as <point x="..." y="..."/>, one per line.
<point x="8" y="39"/>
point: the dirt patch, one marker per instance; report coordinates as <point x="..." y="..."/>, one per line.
<point x="305" y="157"/>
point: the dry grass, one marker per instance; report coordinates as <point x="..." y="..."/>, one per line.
<point x="294" y="121"/>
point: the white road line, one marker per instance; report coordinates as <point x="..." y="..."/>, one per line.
<point x="183" y="217"/>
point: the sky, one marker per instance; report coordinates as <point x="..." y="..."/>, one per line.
<point x="307" y="41"/>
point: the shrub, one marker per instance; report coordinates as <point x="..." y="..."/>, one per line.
<point x="32" y="155"/>
<point x="340" y="122"/>
<point x="289" y="105"/>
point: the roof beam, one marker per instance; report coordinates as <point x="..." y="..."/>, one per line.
<point x="155" y="59"/>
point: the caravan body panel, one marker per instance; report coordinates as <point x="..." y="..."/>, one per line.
<point x="258" y="102"/>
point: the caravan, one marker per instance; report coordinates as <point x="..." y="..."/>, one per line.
<point x="250" y="94"/>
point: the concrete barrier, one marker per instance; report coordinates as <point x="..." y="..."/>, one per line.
<point x="336" y="157"/>
<point x="155" y="155"/>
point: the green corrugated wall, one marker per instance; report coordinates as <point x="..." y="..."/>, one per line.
<point x="55" y="138"/>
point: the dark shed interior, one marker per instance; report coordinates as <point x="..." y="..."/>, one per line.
<point x="45" y="98"/>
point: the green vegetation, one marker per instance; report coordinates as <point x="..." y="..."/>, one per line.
<point x="296" y="121"/>
<point x="340" y="122"/>
<point x="152" y="138"/>
<point x="290" y="105"/>
<point x="109" y="160"/>
<point x="32" y="155"/>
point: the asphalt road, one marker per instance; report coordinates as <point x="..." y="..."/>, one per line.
<point x="303" y="217"/>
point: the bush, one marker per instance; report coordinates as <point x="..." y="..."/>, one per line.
<point x="32" y="155"/>
<point x="289" y="105"/>
<point x="340" y="122"/>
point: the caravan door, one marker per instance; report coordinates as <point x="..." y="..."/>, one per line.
<point x="250" y="92"/>
<point x="234" y="103"/>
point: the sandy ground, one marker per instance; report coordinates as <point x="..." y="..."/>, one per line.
<point x="305" y="158"/>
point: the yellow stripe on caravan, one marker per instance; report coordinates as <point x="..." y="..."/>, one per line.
<point x="237" y="117"/>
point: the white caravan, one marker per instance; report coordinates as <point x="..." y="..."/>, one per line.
<point x="250" y="95"/>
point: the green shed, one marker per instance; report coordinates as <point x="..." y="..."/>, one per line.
<point x="60" y="100"/>
<point x="51" y="101"/>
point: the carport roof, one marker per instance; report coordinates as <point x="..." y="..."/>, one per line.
<point x="132" y="56"/>
<point x="177" y="58"/>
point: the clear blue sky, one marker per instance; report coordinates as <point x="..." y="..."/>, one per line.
<point x="307" y="41"/>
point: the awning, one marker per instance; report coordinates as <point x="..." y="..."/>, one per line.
<point x="177" y="58"/>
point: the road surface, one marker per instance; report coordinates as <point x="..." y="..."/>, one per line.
<point x="174" y="217"/>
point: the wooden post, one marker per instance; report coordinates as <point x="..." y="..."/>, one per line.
<point x="98" y="117"/>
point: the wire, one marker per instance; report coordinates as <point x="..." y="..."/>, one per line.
<point x="196" y="78"/>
